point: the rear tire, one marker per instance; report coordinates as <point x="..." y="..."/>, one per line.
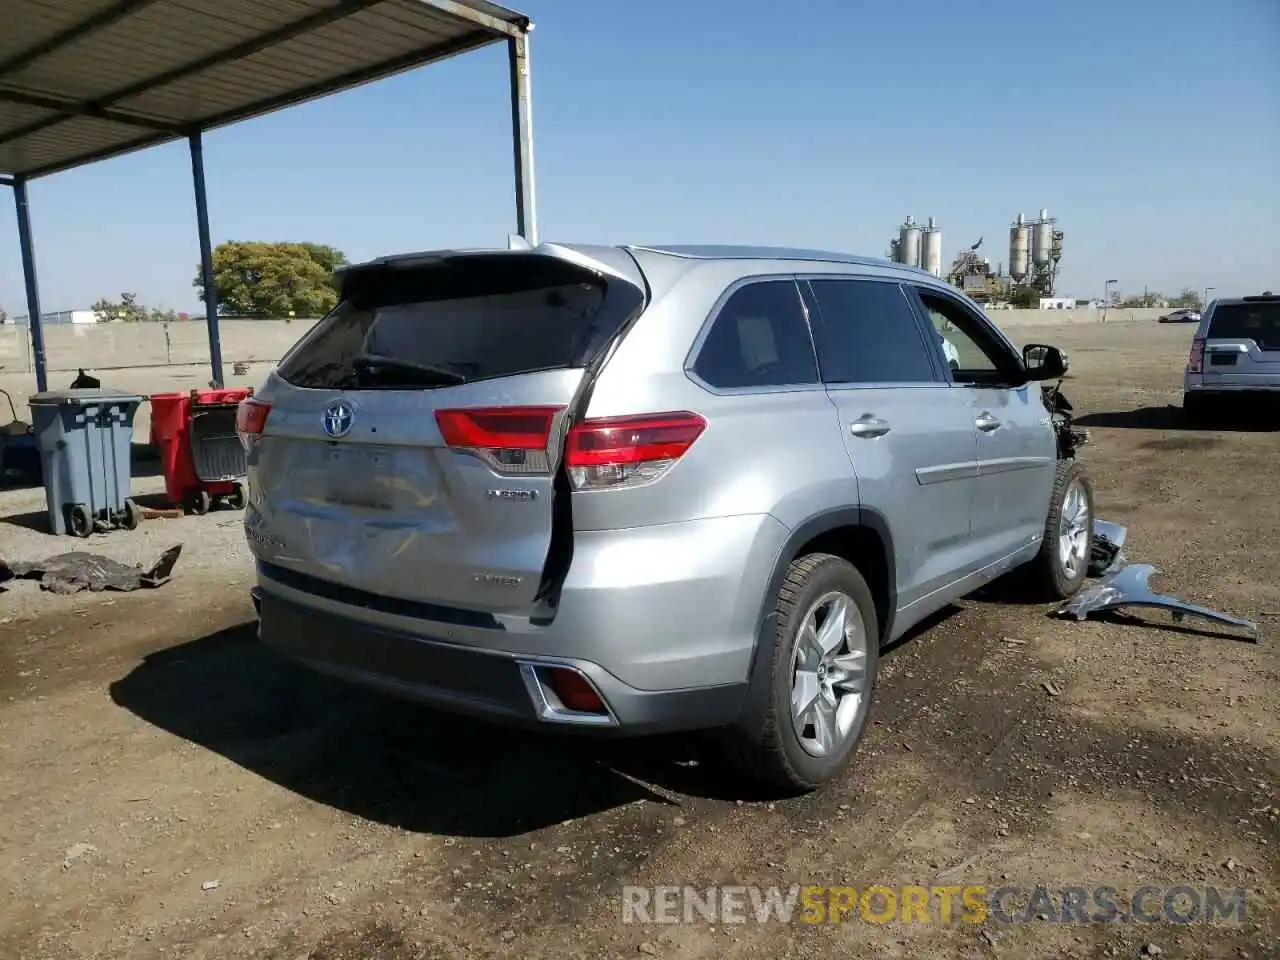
<point x="236" y="498"/>
<point x="832" y="669"/>
<point x="1062" y="565"/>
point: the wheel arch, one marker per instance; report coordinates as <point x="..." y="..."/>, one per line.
<point x="860" y="535"/>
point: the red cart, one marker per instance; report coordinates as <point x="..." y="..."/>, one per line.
<point x="200" y="452"/>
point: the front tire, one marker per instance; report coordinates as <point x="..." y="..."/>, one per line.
<point x="823" y="669"/>
<point x="1062" y="565"/>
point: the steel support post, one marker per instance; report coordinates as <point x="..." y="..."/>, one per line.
<point x="206" y="259"/>
<point x="522" y="137"/>
<point x="27" y="248"/>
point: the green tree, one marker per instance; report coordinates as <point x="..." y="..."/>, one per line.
<point x="125" y="310"/>
<point x="128" y="310"/>
<point x="1025" y="297"/>
<point x="260" y="279"/>
<point x="1188" y="298"/>
<point x="1142" y="300"/>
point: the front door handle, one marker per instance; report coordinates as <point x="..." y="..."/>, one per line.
<point x="869" y="426"/>
<point x="986" y="422"/>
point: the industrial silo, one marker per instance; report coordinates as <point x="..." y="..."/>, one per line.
<point x="909" y="243"/>
<point x="931" y="249"/>
<point x="1041" y="239"/>
<point x="1019" y="249"/>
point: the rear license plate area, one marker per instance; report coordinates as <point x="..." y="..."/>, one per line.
<point x="359" y="477"/>
<point x="1222" y="359"/>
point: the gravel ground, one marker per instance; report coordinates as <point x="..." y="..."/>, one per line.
<point x="213" y="545"/>
<point x="172" y="790"/>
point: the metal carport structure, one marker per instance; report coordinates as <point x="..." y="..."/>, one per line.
<point x="84" y="80"/>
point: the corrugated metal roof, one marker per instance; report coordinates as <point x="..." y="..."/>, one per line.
<point x="82" y="80"/>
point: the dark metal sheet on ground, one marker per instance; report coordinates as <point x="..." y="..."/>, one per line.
<point x="76" y="571"/>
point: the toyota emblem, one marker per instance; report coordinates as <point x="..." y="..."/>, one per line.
<point x="337" y="419"/>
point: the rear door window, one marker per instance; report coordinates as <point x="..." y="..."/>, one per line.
<point x="867" y="333"/>
<point x="460" y="319"/>
<point x="1259" y="322"/>
<point x="759" y="338"/>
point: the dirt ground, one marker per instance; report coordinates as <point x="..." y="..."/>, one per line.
<point x="171" y="790"/>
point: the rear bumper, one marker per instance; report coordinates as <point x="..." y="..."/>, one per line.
<point x="1260" y="385"/>
<point x="490" y="684"/>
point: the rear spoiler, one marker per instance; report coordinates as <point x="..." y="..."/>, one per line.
<point x="517" y="246"/>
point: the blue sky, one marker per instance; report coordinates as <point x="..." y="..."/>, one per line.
<point x="1150" y="128"/>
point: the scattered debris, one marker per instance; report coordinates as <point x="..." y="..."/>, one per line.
<point x="1151" y="950"/>
<point x="77" y="852"/>
<point x="76" y="571"/>
<point x="210" y="885"/>
<point x="1106" y="552"/>
<point x="161" y="513"/>
<point x="1052" y="688"/>
<point x="1128" y="587"/>
<point x="84" y="381"/>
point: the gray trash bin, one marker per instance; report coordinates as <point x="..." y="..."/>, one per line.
<point x="85" y="439"/>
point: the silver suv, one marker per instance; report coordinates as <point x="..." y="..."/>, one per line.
<point x="632" y="489"/>
<point x="1235" y="354"/>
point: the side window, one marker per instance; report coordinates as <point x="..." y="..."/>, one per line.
<point x="760" y="338"/>
<point x="869" y="334"/>
<point x="970" y="352"/>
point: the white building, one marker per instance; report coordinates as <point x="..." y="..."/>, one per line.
<point x="60" y="316"/>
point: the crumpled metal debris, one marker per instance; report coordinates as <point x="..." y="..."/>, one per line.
<point x="1106" y="553"/>
<point x="1128" y="585"/>
<point x="76" y="571"/>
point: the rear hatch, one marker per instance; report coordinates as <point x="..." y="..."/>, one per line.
<point x="1242" y="344"/>
<point x="413" y="440"/>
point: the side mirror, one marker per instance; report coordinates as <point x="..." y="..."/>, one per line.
<point x="1044" y="362"/>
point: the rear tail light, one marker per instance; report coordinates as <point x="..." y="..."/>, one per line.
<point x="574" y="691"/>
<point x="628" y="451"/>
<point x="251" y="420"/>
<point x="1195" y="362"/>
<point x="511" y="440"/>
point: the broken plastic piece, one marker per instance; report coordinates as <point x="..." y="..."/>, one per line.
<point x="1128" y="587"/>
<point x="1106" y="551"/>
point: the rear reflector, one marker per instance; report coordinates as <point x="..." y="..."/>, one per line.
<point x="1195" y="362"/>
<point x="511" y="440"/>
<point x="574" y="691"/>
<point x="251" y="420"/>
<point x="628" y="451"/>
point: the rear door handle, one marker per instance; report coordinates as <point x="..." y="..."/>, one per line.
<point x="869" y="426"/>
<point x="986" y="422"/>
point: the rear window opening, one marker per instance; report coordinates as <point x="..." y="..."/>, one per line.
<point x="454" y="320"/>
<point x="1259" y="322"/>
